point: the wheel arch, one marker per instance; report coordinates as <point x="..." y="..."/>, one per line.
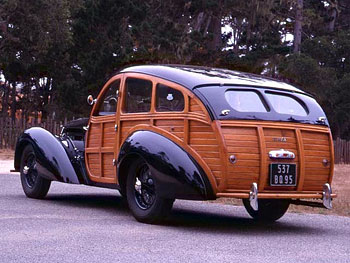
<point x="176" y="170"/>
<point x="18" y="153"/>
<point x="123" y="170"/>
<point x="53" y="161"/>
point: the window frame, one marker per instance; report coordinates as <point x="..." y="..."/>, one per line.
<point x="276" y="93"/>
<point x="124" y="95"/>
<point x="172" y="87"/>
<point x="155" y="80"/>
<point x="263" y="101"/>
<point x="97" y="105"/>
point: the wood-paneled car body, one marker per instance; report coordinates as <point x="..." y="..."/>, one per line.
<point x="161" y="132"/>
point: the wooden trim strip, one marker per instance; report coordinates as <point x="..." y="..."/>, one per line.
<point x="165" y="115"/>
<point x="301" y="155"/>
<point x="223" y="154"/>
<point x="100" y="154"/>
<point x="332" y="157"/>
<point x="186" y="131"/>
<point x="263" y="165"/>
<point x="268" y="124"/>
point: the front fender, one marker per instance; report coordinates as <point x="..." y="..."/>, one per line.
<point x="177" y="173"/>
<point x="52" y="160"/>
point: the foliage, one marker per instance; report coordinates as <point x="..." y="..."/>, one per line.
<point x="61" y="51"/>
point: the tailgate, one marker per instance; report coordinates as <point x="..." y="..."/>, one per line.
<point x="250" y="142"/>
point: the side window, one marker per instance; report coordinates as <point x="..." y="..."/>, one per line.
<point x="169" y="99"/>
<point x="109" y="100"/>
<point x="138" y="95"/>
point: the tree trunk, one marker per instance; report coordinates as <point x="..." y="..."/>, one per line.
<point x="5" y="100"/>
<point x="298" y="25"/>
<point x="14" y="103"/>
<point x="215" y="31"/>
<point x="333" y="18"/>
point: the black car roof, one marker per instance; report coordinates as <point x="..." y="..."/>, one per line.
<point x="195" y="76"/>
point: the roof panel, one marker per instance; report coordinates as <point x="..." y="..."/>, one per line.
<point x="193" y="76"/>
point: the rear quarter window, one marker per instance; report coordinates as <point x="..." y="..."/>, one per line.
<point x="285" y="104"/>
<point x="245" y="101"/>
<point x="169" y="99"/>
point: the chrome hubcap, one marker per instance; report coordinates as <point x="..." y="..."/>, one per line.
<point x="138" y="185"/>
<point x="144" y="187"/>
<point x="25" y="170"/>
<point x="29" y="170"/>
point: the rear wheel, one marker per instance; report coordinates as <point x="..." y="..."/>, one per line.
<point x="34" y="186"/>
<point x="269" y="210"/>
<point x="143" y="199"/>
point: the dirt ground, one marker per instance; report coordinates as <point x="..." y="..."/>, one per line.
<point x="340" y="185"/>
<point x="6" y="154"/>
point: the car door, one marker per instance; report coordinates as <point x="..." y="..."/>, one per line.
<point x="101" y="141"/>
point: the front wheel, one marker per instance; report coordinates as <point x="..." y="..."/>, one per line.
<point x="34" y="186"/>
<point x="142" y="194"/>
<point x="270" y="210"/>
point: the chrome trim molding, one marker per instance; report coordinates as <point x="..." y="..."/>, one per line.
<point x="253" y="197"/>
<point x="281" y="154"/>
<point x="327" y="196"/>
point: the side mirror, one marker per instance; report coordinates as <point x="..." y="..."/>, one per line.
<point x="90" y="100"/>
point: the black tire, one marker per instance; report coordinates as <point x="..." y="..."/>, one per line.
<point x="34" y="186"/>
<point x="270" y="210"/>
<point x="141" y="192"/>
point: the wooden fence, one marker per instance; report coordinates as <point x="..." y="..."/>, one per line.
<point x="9" y="132"/>
<point x="342" y="151"/>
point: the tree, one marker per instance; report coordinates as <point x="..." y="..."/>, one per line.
<point x="298" y="25"/>
<point x="35" y="37"/>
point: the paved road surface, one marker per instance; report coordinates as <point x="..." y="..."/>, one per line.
<point x="86" y="224"/>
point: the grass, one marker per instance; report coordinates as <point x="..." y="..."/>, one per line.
<point x="340" y="186"/>
<point x="6" y="154"/>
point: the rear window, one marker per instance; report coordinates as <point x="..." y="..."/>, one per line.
<point x="245" y="101"/>
<point x="285" y="104"/>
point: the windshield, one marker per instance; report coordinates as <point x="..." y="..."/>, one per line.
<point x="235" y="102"/>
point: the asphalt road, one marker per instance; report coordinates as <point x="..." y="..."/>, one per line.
<point x="86" y="224"/>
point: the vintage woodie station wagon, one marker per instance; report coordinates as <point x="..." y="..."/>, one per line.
<point x="163" y="132"/>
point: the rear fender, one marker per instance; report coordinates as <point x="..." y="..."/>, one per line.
<point x="53" y="162"/>
<point x="176" y="171"/>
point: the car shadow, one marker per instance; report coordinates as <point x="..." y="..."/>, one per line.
<point x="223" y="223"/>
<point x="188" y="219"/>
<point x="105" y="202"/>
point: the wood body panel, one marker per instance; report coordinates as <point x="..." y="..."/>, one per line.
<point x="316" y="173"/>
<point x="203" y="140"/>
<point x="104" y="141"/>
<point x="99" y="151"/>
<point x="243" y="143"/>
<point x="250" y="142"/>
<point x="211" y="143"/>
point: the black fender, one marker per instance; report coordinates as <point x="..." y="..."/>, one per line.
<point x="53" y="162"/>
<point x="176" y="171"/>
